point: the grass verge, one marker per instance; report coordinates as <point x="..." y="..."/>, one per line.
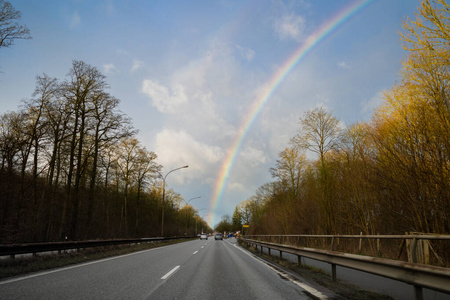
<point x="25" y="265"/>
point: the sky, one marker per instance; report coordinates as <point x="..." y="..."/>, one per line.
<point x="216" y="85"/>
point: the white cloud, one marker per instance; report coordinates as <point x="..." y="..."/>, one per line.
<point x="178" y="148"/>
<point x="204" y="96"/>
<point x="217" y="48"/>
<point x="253" y="156"/>
<point x="165" y="100"/>
<point x="75" y="20"/>
<point x="290" y="26"/>
<point x="246" y="53"/>
<point x="110" y="69"/>
<point x="369" y="106"/>
<point x="280" y="130"/>
<point x="343" y="64"/>
<point x="199" y="131"/>
<point x="237" y="186"/>
<point x="137" y="64"/>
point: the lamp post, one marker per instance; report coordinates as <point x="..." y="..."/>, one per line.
<point x="191" y="199"/>
<point x="164" y="194"/>
<point x="188" y="215"/>
<point x="196" y="221"/>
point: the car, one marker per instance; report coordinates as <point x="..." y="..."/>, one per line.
<point x="218" y="236"/>
<point x="203" y="236"/>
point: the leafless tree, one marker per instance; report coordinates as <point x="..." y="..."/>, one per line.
<point x="10" y="30"/>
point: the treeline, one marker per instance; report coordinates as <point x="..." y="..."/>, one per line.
<point x="390" y="175"/>
<point x="72" y="168"/>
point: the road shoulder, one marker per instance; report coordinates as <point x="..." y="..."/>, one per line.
<point x="315" y="279"/>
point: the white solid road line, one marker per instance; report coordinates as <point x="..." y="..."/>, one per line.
<point x="43" y="273"/>
<point x="170" y="272"/>
<point x="305" y="286"/>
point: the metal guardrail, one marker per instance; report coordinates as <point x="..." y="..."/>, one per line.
<point x="416" y="246"/>
<point x="34" y="248"/>
<point x="418" y="275"/>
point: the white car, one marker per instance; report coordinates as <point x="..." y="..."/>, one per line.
<point x="203" y="236"/>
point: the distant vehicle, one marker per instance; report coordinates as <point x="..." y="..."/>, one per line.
<point x="204" y="236"/>
<point x="218" y="237"/>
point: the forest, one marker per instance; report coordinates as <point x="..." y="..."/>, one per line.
<point x="390" y="175"/>
<point x="72" y="168"/>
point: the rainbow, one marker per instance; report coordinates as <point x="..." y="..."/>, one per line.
<point x="268" y="90"/>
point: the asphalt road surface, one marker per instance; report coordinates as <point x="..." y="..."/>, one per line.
<point x="192" y="270"/>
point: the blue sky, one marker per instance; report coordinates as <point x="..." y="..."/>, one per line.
<point x="187" y="73"/>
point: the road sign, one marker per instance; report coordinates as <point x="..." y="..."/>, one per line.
<point x="246" y="226"/>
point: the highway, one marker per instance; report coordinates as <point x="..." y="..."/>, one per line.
<point x="196" y="269"/>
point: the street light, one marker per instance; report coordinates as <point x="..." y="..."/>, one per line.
<point x="187" y="212"/>
<point x="191" y="199"/>
<point x="196" y="220"/>
<point x="164" y="194"/>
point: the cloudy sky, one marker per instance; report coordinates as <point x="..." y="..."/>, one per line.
<point x="189" y="73"/>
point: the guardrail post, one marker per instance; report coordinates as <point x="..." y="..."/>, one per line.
<point x="299" y="260"/>
<point x="414" y="251"/>
<point x="332" y="244"/>
<point x="281" y="254"/>
<point x="418" y="293"/>
<point x="333" y="272"/>
<point x="269" y="251"/>
<point x="378" y="246"/>
<point x="360" y="243"/>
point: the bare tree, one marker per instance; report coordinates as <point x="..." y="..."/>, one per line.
<point x="11" y="143"/>
<point x="319" y="132"/>
<point x="289" y="169"/>
<point x="127" y="163"/>
<point x="85" y="82"/>
<point x="9" y="30"/>
<point x="145" y="167"/>
<point x="108" y="127"/>
<point x="68" y="143"/>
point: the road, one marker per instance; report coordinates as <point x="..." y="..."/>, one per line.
<point x="191" y="270"/>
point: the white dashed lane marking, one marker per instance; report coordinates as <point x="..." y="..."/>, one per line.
<point x="170" y="272"/>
